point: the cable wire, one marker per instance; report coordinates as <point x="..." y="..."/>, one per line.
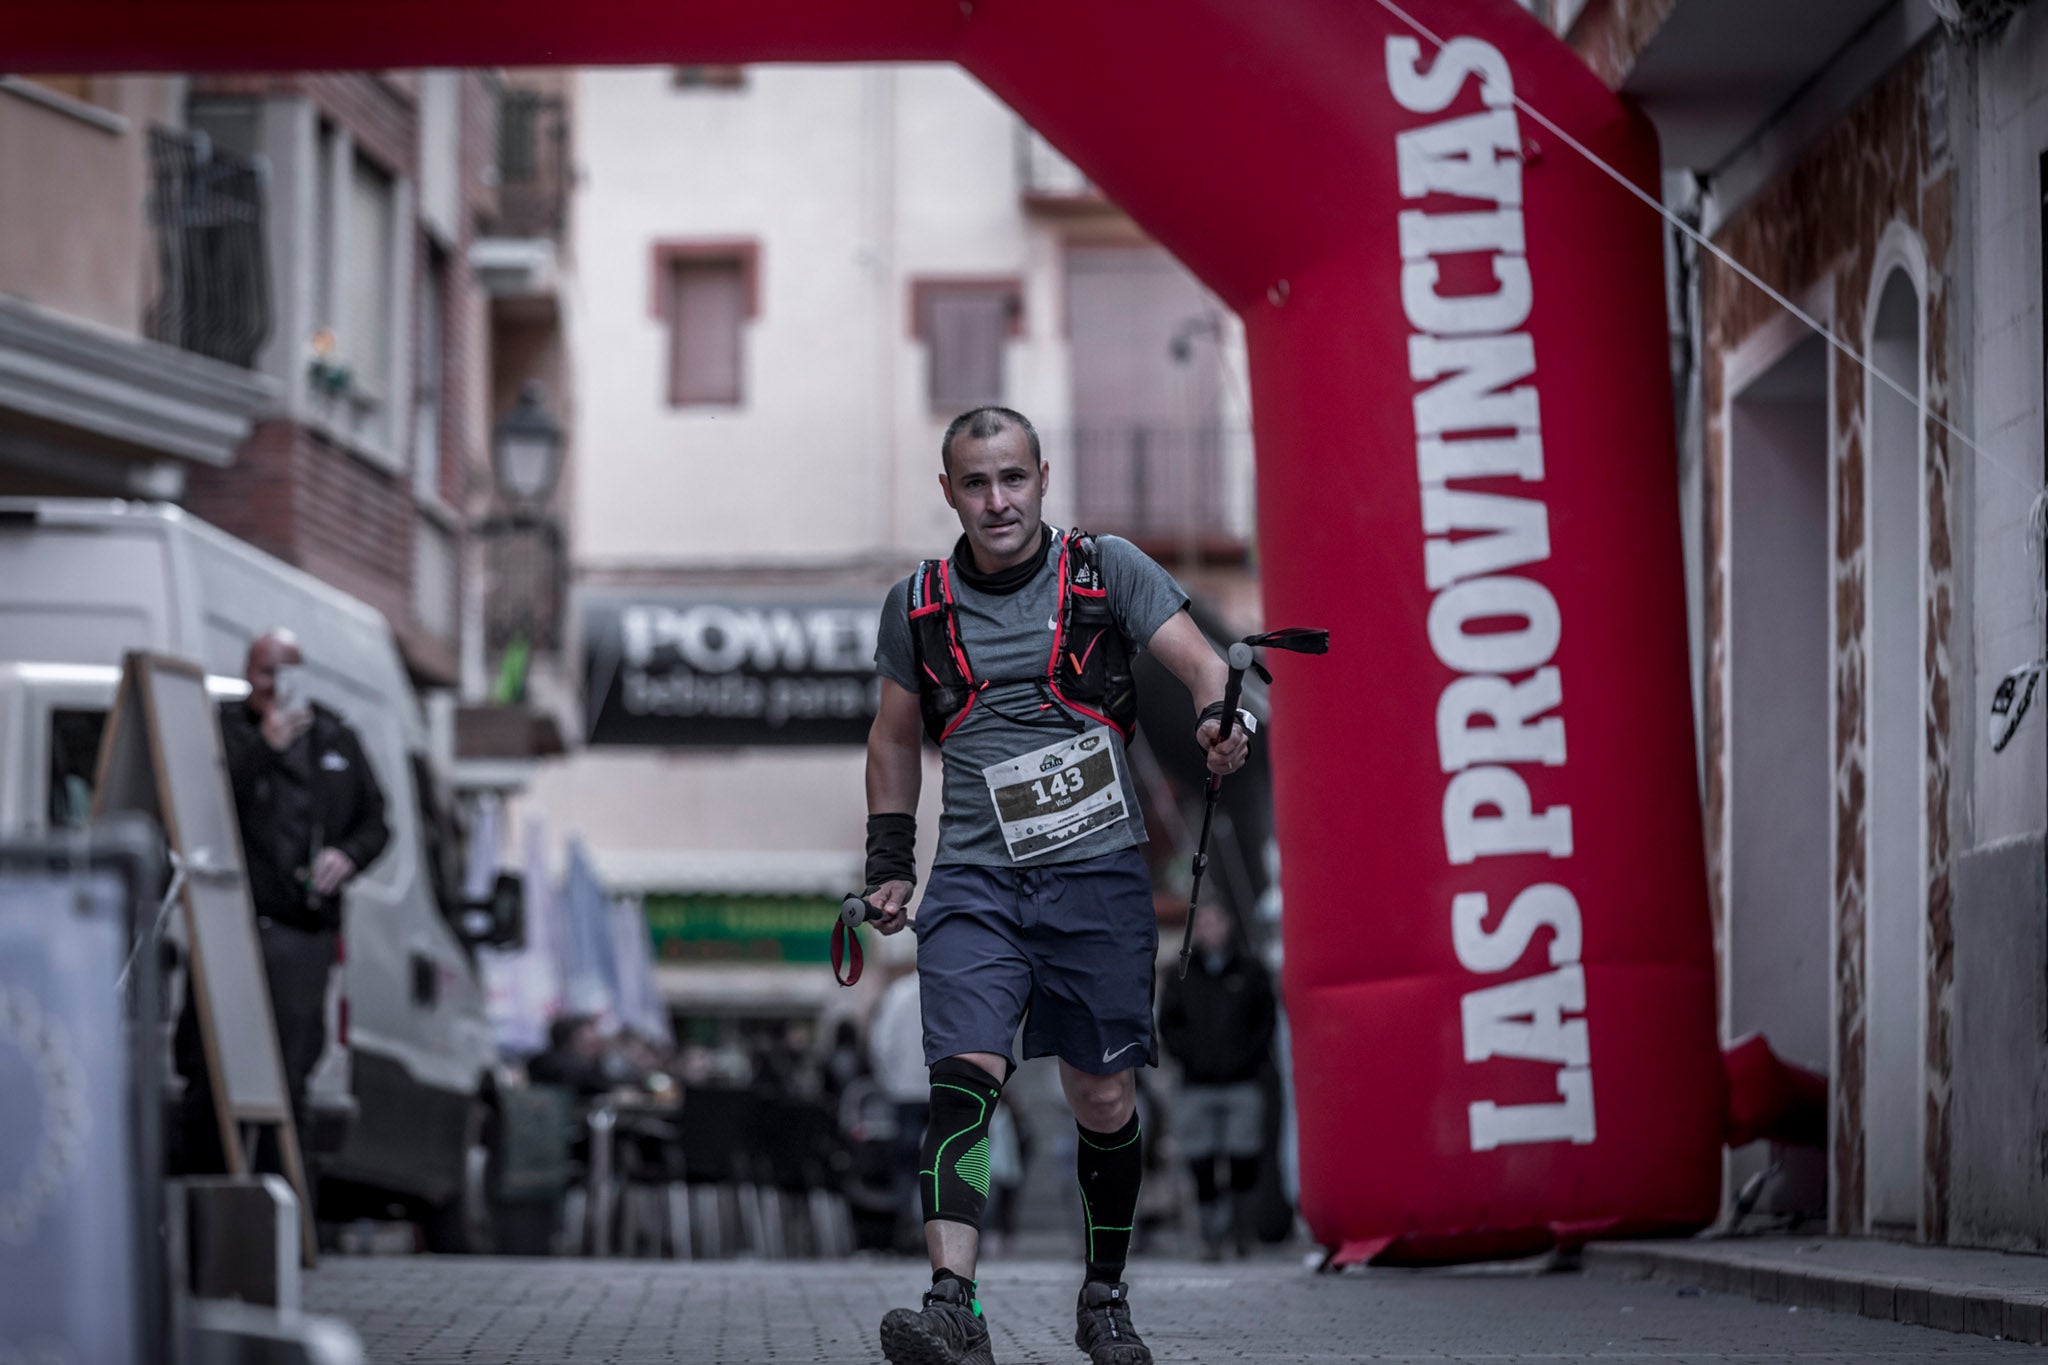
<point x="1700" y="240"/>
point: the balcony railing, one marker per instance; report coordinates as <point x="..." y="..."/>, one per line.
<point x="206" y="211"/>
<point x="1157" y="482"/>
<point x="533" y="165"/>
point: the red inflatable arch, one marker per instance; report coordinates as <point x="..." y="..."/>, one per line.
<point x="1499" y="966"/>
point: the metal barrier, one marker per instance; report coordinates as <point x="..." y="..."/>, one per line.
<point x="81" y="1267"/>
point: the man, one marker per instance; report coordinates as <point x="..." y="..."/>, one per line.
<point x="312" y="819"/>
<point x="1014" y="655"/>
<point x="1218" y="1024"/>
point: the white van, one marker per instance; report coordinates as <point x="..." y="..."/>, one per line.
<point x="399" y="1107"/>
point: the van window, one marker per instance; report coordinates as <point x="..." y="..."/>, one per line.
<point x="74" y="758"/>
<point x="441" y="843"/>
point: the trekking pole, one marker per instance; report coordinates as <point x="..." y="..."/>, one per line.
<point x="1242" y="658"/>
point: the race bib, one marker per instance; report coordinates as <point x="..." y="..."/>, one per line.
<point x="1050" y="797"/>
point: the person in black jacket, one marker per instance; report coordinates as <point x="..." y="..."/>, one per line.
<point x="1218" y="1024"/>
<point x="312" y="819"/>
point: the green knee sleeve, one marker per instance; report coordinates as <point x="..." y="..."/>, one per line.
<point x="953" y="1181"/>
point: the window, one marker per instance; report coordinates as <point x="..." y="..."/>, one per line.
<point x="705" y="293"/>
<point x="74" y="757"/>
<point x="365" y="303"/>
<point x="709" y="78"/>
<point x="326" y="141"/>
<point x="965" y="326"/>
<point x="426" y="413"/>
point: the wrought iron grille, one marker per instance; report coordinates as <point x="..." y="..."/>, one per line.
<point x="206" y="210"/>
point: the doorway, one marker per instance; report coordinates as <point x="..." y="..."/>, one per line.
<point x="1778" y="946"/>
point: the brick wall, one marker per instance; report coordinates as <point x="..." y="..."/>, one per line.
<point x="1820" y="224"/>
<point x="1609" y="35"/>
<point x="296" y="495"/>
<point x="465" y="419"/>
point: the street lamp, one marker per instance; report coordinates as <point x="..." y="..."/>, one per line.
<point x="526" y="451"/>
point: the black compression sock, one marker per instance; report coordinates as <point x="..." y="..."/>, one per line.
<point x="1110" y="1167"/>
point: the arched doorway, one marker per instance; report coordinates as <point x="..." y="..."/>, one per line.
<point x="1894" y="1107"/>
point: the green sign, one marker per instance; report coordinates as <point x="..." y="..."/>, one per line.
<point x="725" y="927"/>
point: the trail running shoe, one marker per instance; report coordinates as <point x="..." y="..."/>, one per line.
<point x="1104" y="1328"/>
<point x="948" y="1330"/>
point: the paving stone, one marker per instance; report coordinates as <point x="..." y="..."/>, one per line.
<point x="2022" y="1321"/>
<point x="462" y="1311"/>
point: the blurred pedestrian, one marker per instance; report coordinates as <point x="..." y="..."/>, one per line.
<point x="575" y="1058"/>
<point x="1218" y="1024"/>
<point x="896" y="1050"/>
<point x="311" y="815"/>
<point x="1009" y="1152"/>
<point x="845" y="1061"/>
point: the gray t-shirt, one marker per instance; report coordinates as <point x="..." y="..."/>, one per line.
<point x="1008" y="638"/>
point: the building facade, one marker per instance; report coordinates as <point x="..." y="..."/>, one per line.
<point x="131" y="291"/>
<point x="1867" y="570"/>
<point x="365" y="469"/>
<point x="789" y="279"/>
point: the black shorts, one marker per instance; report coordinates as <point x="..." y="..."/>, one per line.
<point x="1067" y="950"/>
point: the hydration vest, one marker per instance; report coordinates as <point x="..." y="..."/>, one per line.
<point x="1088" y="672"/>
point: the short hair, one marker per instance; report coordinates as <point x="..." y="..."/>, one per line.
<point x="983" y="422"/>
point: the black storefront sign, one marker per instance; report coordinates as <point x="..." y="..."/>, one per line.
<point x="728" y="670"/>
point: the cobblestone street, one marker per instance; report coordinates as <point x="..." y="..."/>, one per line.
<point x="434" y="1311"/>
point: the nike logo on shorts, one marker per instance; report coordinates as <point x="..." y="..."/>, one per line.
<point x="1108" y="1056"/>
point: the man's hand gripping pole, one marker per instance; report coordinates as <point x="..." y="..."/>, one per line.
<point x="1242" y="658"/>
<point x="854" y="911"/>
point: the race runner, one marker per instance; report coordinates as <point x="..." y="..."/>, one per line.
<point x="1014" y="655"/>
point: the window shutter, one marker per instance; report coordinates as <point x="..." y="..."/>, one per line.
<point x="965" y="331"/>
<point x="708" y="307"/>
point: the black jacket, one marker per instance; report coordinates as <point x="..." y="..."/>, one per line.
<point x="345" y="809"/>
<point x="1218" y="1025"/>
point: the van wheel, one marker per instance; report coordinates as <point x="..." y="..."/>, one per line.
<point x="465" y="1224"/>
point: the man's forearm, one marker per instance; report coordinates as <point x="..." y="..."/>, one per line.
<point x="895" y="777"/>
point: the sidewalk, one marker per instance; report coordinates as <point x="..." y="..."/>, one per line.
<point x="1986" y="1293"/>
